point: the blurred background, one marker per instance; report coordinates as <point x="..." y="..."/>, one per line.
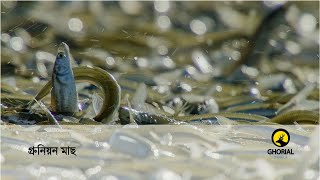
<point x="231" y="52"/>
<point x="180" y="60"/>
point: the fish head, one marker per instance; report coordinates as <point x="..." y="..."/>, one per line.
<point x="62" y="63"/>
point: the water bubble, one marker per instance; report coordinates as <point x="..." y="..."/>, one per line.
<point x="251" y="71"/>
<point x="254" y="91"/>
<point x="293" y="47"/>
<point x="236" y="44"/>
<point x="198" y="27"/>
<point x="5" y="37"/>
<point x="161" y="6"/>
<point x="142" y="62"/>
<point x="110" y="61"/>
<point x="162" y="50"/>
<point x="307" y="23"/>
<point x="42" y="55"/>
<point x="35" y="79"/>
<point x="17" y="43"/>
<point x="97" y="143"/>
<point x="163" y="22"/>
<point x="161" y="89"/>
<point x="131" y="7"/>
<point x="213" y="155"/>
<point x="191" y="70"/>
<point x="75" y="24"/>
<point x="235" y="55"/>
<point x="218" y="88"/>
<point x="167" y="61"/>
<point x="289" y="86"/>
<point x="273" y="42"/>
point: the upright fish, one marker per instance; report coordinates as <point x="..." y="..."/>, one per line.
<point x="64" y="97"/>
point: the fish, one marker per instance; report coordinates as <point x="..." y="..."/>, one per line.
<point x="64" y="96"/>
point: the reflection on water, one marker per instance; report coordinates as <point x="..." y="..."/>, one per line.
<point x="159" y="152"/>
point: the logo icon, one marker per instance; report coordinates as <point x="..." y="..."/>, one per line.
<point x="280" y="137"/>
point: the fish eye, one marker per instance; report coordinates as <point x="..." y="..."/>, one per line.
<point x="60" y="55"/>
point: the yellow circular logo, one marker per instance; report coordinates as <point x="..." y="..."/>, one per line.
<point x="280" y="137"/>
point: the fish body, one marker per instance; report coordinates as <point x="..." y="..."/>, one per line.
<point x="64" y="97"/>
<point x="98" y="77"/>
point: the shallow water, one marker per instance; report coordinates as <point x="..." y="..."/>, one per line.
<point x="159" y="152"/>
<point x="197" y="61"/>
<point x="174" y="61"/>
